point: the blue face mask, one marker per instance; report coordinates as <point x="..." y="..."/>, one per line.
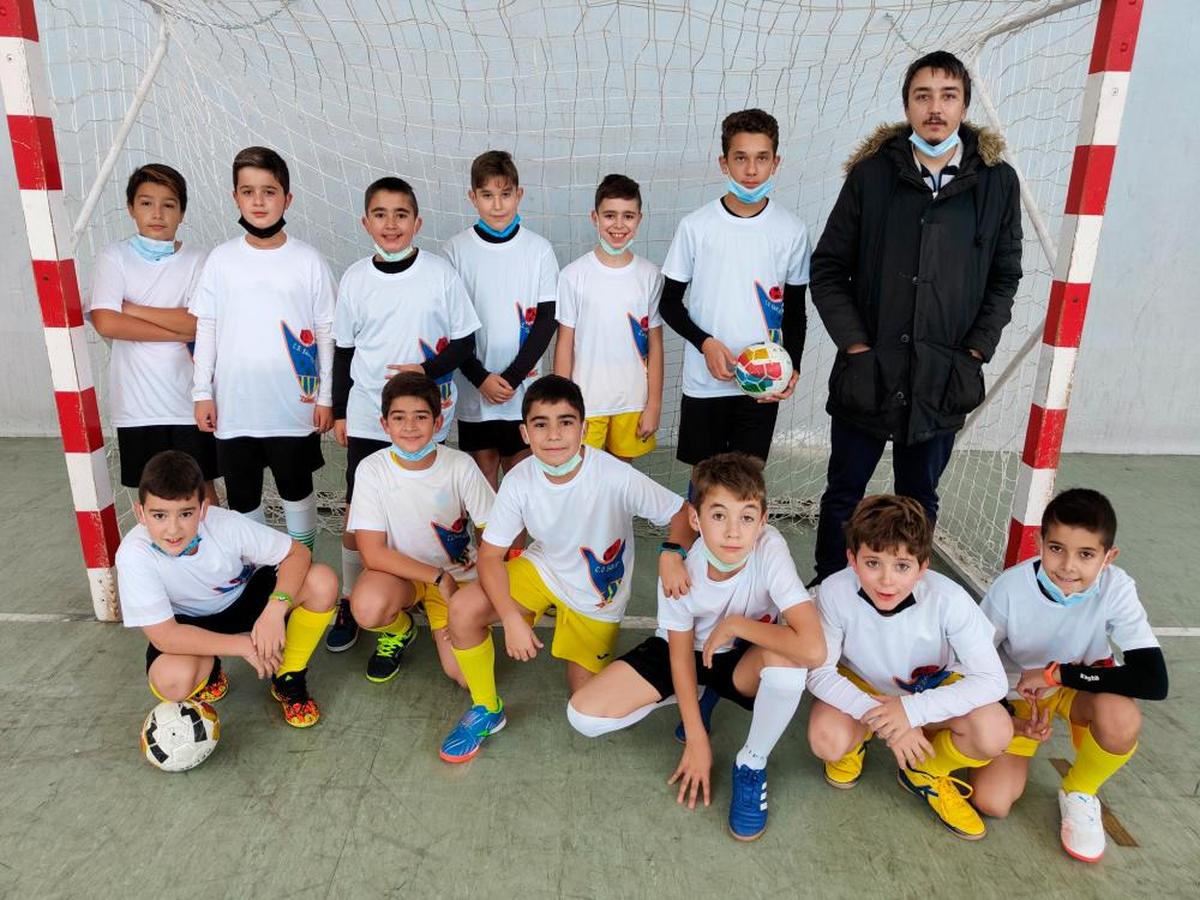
<point x="564" y="469"/>
<point x="508" y="229"/>
<point x="191" y="546"/>
<point x="720" y="565"/>
<point x="150" y="249"/>
<point x="399" y="256"/>
<point x="611" y="250"/>
<point x="933" y="151"/>
<point x="1057" y="594"/>
<point x="745" y="194"/>
<point x="414" y="455"/>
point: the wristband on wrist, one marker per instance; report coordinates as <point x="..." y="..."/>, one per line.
<point x="672" y="547"/>
<point x="1048" y="674"/>
<point x="282" y="596"/>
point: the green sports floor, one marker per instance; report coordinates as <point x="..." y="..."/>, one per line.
<point x="361" y="806"/>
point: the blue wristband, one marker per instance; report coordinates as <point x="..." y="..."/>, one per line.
<point x="671" y="547"/>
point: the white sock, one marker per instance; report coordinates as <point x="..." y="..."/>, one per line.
<point x="352" y="566"/>
<point x="258" y="514"/>
<point x="594" y="726"/>
<point x="779" y="691"/>
<point x="300" y="516"/>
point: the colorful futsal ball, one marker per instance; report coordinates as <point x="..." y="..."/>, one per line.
<point x="763" y="369"/>
<point x="179" y="736"/>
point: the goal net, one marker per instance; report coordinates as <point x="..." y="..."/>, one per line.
<point x="349" y="90"/>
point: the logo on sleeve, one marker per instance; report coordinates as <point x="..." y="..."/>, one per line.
<point x="525" y="320"/>
<point x="303" y="353"/>
<point x="641" y="335"/>
<point x="771" y="303"/>
<point x="924" y="678"/>
<point x="456" y="541"/>
<point x="606" y="572"/>
<point x="443" y="382"/>
<point x="235" y="583"/>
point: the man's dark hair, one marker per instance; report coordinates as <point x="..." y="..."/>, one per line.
<point x="157" y="173"/>
<point x="411" y="384"/>
<point x="171" y="475"/>
<point x="749" y="121"/>
<point x="494" y="164"/>
<point x="552" y="389"/>
<point x="940" y="61"/>
<point x="1083" y="508"/>
<point x="393" y="184"/>
<point x="262" y="158"/>
<point x="618" y="187"/>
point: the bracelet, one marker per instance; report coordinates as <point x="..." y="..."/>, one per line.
<point x="282" y="597"/>
<point x="672" y="547"/>
<point x="1048" y="674"/>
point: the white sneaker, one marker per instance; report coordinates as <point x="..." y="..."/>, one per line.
<point x="1082" y="829"/>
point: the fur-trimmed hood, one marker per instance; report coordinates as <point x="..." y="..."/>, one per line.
<point x="989" y="143"/>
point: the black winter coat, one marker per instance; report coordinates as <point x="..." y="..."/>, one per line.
<point x="921" y="281"/>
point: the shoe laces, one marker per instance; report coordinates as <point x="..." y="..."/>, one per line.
<point x="747" y="783"/>
<point x="390" y="644"/>
<point x="952" y="791"/>
<point x="343" y="617"/>
<point x="1082" y="806"/>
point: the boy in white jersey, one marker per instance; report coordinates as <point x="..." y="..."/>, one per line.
<point x="911" y="660"/>
<point x="724" y="632"/>
<point x="417" y="503"/>
<point x="609" y="332"/>
<point x="401" y="309"/>
<point x="1058" y="618"/>
<point x="747" y="261"/>
<point x="140" y="290"/>
<point x="204" y="582"/>
<point x="512" y="278"/>
<point x="264" y="350"/>
<point x="577" y="504"/>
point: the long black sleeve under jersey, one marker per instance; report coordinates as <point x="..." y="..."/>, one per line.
<point x="1143" y="676"/>
<point x="544" y="327"/>
<point x="342" y="382"/>
<point x="795" y="317"/>
<point x="452" y="356"/>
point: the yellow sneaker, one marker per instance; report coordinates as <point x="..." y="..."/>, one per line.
<point x="844" y="773"/>
<point x="946" y="798"/>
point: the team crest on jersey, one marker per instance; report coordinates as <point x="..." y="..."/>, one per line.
<point x="525" y="320"/>
<point x="923" y="678"/>
<point x="606" y="572"/>
<point x="235" y="583"/>
<point x="456" y="541"/>
<point x="443" y="382"/>
<point x="641" y="334"/>
<point x="771" y="302"/>
<point x="303" y="353"/>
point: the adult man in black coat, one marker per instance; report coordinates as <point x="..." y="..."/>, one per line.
<point x="914" y="278"/>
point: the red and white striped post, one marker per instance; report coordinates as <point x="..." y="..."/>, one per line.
<point x="1087" y="192"/>
<point x="31" y="129"/>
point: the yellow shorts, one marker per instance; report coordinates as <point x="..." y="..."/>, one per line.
<point x="430" y="598"/>
<point x="1059" y="704"/>
<point x="618" y="435"/>
<point x="577" y="638"/>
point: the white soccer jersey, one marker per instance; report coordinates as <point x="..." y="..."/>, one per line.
<point x="149" y="382"/>
<point x="427" y="514"/>
<point x="762" y="590"/>
<point x="505" y="282"/>
<point x="407" y="317"/>
<point x="907" y="654"/>
<point x="612" y="312"/>
<point x="738" y="269"/>
<point x="583" y="530"/>
<point x="1033" y="631"/>
<point x="268" y="307"/>
<point x="154" y="586"/>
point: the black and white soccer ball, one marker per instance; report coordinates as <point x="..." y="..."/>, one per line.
<point x="178" y="736"/>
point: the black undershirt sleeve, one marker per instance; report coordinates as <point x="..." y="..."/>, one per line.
<point x="451" y="357"/>
<point x="473" y="370"/>
<point x="795" y="321"/>
<point x="342" y="382"/>
<point x="675" y="314"/>
<point x="1143" y="676"/>
<point x="535" y="345"/>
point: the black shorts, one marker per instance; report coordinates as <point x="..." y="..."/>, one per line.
<point x="292" y="460"/>
<point x="358" y="449"/>
<point x="237" y="618"/>
<point x="136" y="445"/>
<point x="502" y="435"/>
<point x="652" y="660"/>
<point x="712" y="425"/>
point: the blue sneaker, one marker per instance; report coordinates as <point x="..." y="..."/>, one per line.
<point x="464" y="741"/>
<point x="748" y="806"/>
<point x="708" y="700"/>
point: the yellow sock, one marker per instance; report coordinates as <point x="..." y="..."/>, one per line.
<point x="947" y="757"/>
<point x="399" y="625"/>
<point x="1093" y="766"/>
<point x="304" y="631"/>
<point x="478" y="666"/>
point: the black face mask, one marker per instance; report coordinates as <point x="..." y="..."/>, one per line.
<point x="262" y="233"/>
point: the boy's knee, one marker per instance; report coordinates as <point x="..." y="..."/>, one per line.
<point x="991" y="804"/>
<point x="827" y="744"/>
<point x="588" y="725"/>
<point x="321" y="586"/>
<point x="991" y="729"/>
<point x="1117" y="718"/>
<point x="173" y="686"/>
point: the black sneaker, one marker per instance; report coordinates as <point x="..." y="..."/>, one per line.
<point x="344" y="633"/>
<point x="385" y="662"/>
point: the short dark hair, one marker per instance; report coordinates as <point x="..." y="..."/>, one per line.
<point x="739" y="473"/>
<point x="885" y="523"/>
<point x="393" y="184"/>
<point x="411" y="384"/>
<point x="171" y="475"/>
<point x="749" y="121"/>
<point x="493" y="164"/>
<point x="939" y="61"/>
<point x="618" y="187"/>
<point x="1083" y="508"/>
<point x="552" y="389"/>
<point x="157" y="173"/>
<point x="262" y="158"/>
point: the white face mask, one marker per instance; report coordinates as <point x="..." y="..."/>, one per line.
<point x="563" y="469"/>
<point x="720" y="565"/>
<point x="398" y="256"/>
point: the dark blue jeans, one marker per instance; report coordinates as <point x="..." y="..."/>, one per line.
<point x="853" y="456"/>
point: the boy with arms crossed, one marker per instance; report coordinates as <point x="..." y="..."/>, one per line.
<point x="724" y="632"/>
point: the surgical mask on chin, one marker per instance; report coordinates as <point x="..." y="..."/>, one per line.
<point x="1056" y="593"/>
<point x="933" y="151"/>
<point x="508" y="229"/>
<point x="749" y="196"/>
<point x="611" y="250"/>
<point x="564" y="469"/>
<point x="414" y="455"/>
<point x="398" y="256"/>
<point x="191" y="545"/>
<point x="720" y="565"/>
<point x="150" y="249"/>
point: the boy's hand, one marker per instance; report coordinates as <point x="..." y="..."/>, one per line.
<point x="911" y="748"/>
<point x="1037" y="727"/>
<point x="206" y="415"/>
<point x="1032" y="685"/>
<point x="396" y="368"/>
<point x="322" y="418"/>
<point x="785" y="393"/>
<point x="339" y="432"/>
<point x="719" y="360"/>
<point x="250" y="655"/>
<point x="888" y="719"/>
<point x="692" y="773"/>
<point x="673" y="574"/>
<point x="268" y="634"/>
<point x="519" y="640"/>
<point x="648" y="422"/>
<point x="725" y="632"/>
<point x="495" y="389"/>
